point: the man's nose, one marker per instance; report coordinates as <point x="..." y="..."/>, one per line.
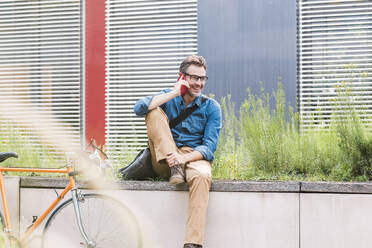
<point x="198" y="81"/>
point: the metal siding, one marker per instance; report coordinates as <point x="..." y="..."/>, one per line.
<point x="245" y="42"/>
<point x="145" y="43"/>
<point x="40" y="68"/>
<point x="335" y="53"/>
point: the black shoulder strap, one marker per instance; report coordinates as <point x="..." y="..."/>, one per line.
<point x="184" y="114"/>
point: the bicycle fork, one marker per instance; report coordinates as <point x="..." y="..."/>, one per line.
<point x="75" y="199"/>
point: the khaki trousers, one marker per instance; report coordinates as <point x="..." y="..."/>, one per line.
<point x="198" y="173"/>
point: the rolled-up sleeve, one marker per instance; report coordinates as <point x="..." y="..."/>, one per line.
<point x="211" y="132"/>
<point x="141" y="107"/>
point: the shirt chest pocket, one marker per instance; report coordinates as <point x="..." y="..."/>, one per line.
<point x="195" y="124"/>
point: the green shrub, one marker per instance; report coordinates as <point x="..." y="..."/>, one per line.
<point x="265" y="143"/>
<point x="356" y="147"/>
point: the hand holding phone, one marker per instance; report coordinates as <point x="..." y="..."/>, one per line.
<point x="184" y="88"/>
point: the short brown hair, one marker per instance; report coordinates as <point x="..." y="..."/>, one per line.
<point x="193" y="60"/>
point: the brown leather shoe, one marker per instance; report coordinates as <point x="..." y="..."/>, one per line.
<point x="192" y="246"/>
<point x="177" y="174"/>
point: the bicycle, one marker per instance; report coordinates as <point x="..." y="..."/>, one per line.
<point x="85" y="220"/>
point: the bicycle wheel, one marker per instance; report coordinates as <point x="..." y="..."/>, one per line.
<point x="107" y="222"/>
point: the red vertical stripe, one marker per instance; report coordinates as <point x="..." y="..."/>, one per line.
<point x="95" y="70"/>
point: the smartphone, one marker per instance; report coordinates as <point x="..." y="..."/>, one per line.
<point x="184" y="88"/>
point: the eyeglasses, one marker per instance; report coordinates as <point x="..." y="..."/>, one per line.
<point x="196" y="78"/>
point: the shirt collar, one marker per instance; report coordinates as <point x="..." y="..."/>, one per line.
<point x="197" y="101"/>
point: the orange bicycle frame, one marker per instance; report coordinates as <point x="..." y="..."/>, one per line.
<point x="70" y="186"/>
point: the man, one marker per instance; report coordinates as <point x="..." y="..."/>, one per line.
<point x="186" y="151"/>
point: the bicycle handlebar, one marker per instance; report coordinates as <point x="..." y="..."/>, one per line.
<point x="5" y="155"/>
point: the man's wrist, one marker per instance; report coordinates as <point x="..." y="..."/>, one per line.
<point x="192" y="156"/>
<point x="175" y="93"/>
<point x="185" y="158"/>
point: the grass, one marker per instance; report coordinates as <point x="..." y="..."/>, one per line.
<point x="264" y="143"/>
<point x="34" y="154"/>
<point x="24" y="146"/>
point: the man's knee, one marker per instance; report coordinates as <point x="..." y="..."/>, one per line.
<point x="155" y="114"/>
<point x="199" y="174"/>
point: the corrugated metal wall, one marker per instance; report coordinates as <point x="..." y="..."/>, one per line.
<point x="248" y="41"/>
<point x="40" y="62"/>
<point x="146" y="41"/>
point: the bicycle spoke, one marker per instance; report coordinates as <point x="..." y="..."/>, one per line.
<point x="107" y="222"/>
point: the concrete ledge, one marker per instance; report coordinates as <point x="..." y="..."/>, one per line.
<point x="336" y="187"/>
<point x="251" y="186"/>
<point x="40" y="182"/>
<point x="217" y="186"/>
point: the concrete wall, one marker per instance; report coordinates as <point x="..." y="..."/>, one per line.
<point x="241" y="214"/>
<point x="336" y="220"/>
<point x="12" y="188"/>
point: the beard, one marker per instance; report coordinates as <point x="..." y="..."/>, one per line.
<point x="193" y="95"/>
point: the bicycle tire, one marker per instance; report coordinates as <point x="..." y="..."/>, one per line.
<point x="107" y="222"/>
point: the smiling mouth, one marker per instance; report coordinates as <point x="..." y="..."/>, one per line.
<point x="194" y="92"/>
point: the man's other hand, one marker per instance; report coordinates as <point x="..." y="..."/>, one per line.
<point x="174" y="158"/>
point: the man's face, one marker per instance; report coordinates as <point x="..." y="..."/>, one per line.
<point x="196" y="85"/>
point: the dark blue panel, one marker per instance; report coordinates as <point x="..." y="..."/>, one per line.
<point x="247" y="41"/>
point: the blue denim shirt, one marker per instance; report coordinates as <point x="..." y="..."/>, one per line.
<point x="200" y="130"/>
